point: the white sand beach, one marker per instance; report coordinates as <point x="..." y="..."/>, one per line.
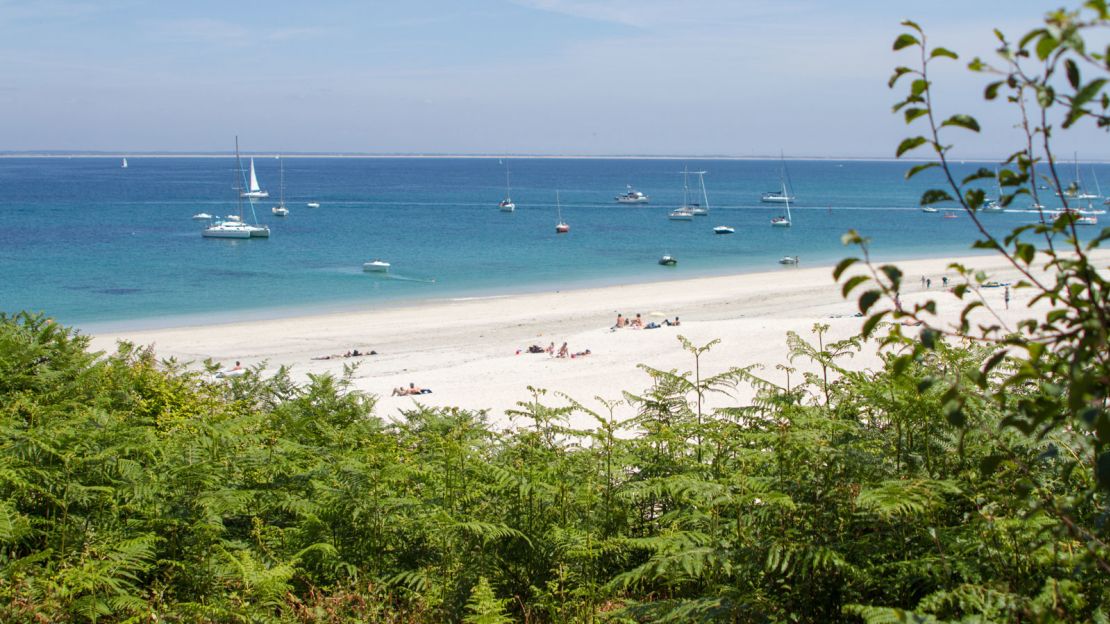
<point x="473" y="354"/>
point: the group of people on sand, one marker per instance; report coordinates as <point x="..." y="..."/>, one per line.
<point x="412" y="389"/>
<point x="351" y="353"/>
<point x="638" y="323"/>
<point x="563" y="351"/>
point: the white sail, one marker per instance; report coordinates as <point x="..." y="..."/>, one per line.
<point x="254" y="179"/>
<point x="124" y="165"/>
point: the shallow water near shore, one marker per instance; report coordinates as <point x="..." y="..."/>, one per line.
<point x="95" y="245"/>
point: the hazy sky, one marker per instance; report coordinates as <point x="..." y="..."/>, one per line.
<point x="728" y="77"/>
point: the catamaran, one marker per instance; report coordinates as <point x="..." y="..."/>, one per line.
<point x="254" y="191"/>
<point x="233" y="226"/>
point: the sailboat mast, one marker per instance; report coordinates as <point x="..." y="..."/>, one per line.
<point x="238" y="178"/>
<point x="685" y="187"/>
<point x="789" y="219"/>
<point x="704" y="196"/>
<point x="508" y="187"/>
<point x="281" y="180"/>
<point x="558" y="207"/>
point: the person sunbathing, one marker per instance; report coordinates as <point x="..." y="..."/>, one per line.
<point x="412" y="389"/>
<point x="621" y="322"/>
<point x="637" y="323"/>
<point x="563" y="351"/>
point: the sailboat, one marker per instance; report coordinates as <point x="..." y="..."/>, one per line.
<point x="233" y="226"/>
<point x="507" y="204"/>
<point x="684" y="212"/>
<point x="280" y="209"/>
<point x="701" y="210"/>
<point x="775" y="197"/>
<point x="124" y="165"/>
<point x="1077" y="192"/>
<point x="781" y="221"/>
<point x="254" y="191"/>
<point x="561" y="227"/>
<point x="994" y="205"/>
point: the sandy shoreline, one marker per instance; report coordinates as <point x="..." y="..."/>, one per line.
<point x="465" y="351"/>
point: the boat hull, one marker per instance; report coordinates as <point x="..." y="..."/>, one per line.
<point x="255" y="194"/>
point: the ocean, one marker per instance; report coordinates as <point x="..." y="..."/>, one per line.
<point x="99" y="246"/>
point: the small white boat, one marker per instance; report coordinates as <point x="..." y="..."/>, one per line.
<point x="781" y="221"/>
<point x="788" y="260"/>
<point x="376" y="266"/>
<point x="723" y="229"/>
<point x="280" y="210"/>
<point x="929" y="209"/>
<point x="254" y="191"/>
<point x="507" y="205"/>
<point x="313" y="204"/>
<point x="991" y="206"/>
<point x="632" y="197"/>
<point x="124" y="165"/>
<point x="668" y="260"/>
<point x="681" y="214"/>
<point x="202" y="216"/>
<point x="561" y="226"/>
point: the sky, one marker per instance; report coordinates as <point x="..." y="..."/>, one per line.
<point x="585" y="77"/>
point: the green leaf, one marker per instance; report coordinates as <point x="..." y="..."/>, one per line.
<point x="916" y="169"/>
<point x="905" y="40"/>
<point x="868" y="299"/>
<point x="990" y="463"/>
<point x="1073" y="73"/>
<point x="934" y="196"/>
<point x="919" y="86"/>
<point x="962" y="121"/>
<point x="893" y="273"/>
<point x="842" y="266"/>
<point x="851" y="284"/>
<point x="991" y="92"/>
<point x="909" y="144"/>
<point x="914" y="113"/>
<point x="943" y="52"/>
<point x="898" y="73"/>
<point x="1045" y="45"/>
<point x="871" y="323"/>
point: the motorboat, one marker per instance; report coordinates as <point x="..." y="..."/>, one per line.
<point x="632" y="197"/>
<point x="313" y="204"/>
<point x="202" y="216"/>
<point x="723" y="229"/>
<point x="929" y="209"/>
<point x="668" y="260"/>
<point x="376" y="266"/>
<point x="788" y="260"/>
<point x="991" y="206"/>
<point x="280" y="211"/>
<point x="254" y="191"/>
<point x="1078" y="217"/>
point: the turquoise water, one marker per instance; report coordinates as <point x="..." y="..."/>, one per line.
<point x="93" y="244"/>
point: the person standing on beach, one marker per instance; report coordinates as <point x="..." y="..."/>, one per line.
<point x="1006" y="297"/>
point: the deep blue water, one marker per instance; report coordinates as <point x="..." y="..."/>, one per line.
<point x="90" y="243"/>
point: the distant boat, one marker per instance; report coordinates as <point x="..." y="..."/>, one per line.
<point x="788" y="260"/>
<point x="561" y="226"/>
<point x="632" y="197"/>
<point x="202" y="216"/>
<point x="948" y="214"/>
<point x="376" y="266"/>
<point x="929" y="209"/>
<point x="280" y="209"/>
<point x="1077" y="192"/>
<point x="254" y="191"/>
<point x="782" y="221"/>
<point x="668" y="260"/>
<point x="507" y="204"/>
<point x="1080" y="217"/>
<point x="124" y="165"/>
<point x="994" y="205"/>
<point x="723" y="229"/>
<point x="313" y="204"/>
<point x="786" y="194"/>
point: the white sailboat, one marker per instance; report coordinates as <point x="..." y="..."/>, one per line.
<point x="684" y="212"/>
<point x="507" y="204"/>
<point x="994" y="205"/>
<point x="254" y="191"/>
<point x="776" y="197"/>
<point x="233" y="226"/>
<point x="702" y="209"/>
<point x="280" y="209"/>
<point x="561" y="226"/>
<point x="124" y="165"/>
<point x="781" y="221"/>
